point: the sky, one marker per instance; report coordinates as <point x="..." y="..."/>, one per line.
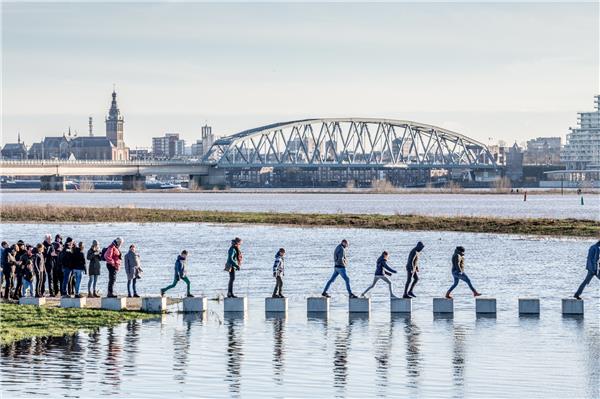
<point x="510" y="71"/>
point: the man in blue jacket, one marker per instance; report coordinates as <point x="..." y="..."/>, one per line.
<point x="340" y="262"/>
<point x="180" y="274"/>
<point x="592" y="266"/>
<point x="380" y="274"/>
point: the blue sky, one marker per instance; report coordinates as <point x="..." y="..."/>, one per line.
<point x="503" y="71"/>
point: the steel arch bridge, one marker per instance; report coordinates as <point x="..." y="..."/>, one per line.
<point x="350" y="142"/>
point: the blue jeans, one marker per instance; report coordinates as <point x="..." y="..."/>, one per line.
<point x="65" y="283"/>
<point x="341" y="271"/>
<point x="463" y="277"/>
<point x="78" y="275"/>
<point x="586" y="281"/>
<point x="27" y="284"/>
<point x="92" y="283"/>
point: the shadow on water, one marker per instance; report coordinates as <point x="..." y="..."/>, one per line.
<point x="234" y="353"/>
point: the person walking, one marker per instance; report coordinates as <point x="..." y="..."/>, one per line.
<point x="180" y="274"/>
<point x="113" y="257"/>
<point x="233" y="264"/>
<point x="57" y="274"/>
<point x="458" y="272"/>
<point x="412" y="270"/>
<point x="39" y="270"/>
<point x="133" y="268"/>
<point x="278" y="273"/>
<point x="65" y="258"/>
<point x="78" y="265"/>
<point x="382" y="271"/>
<point x="340" y="262"/>
<point x="592" y="266"/>
<point x="93" y="256"/>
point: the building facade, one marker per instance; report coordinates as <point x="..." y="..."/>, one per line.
<point x="167" y="147"/>
<point x="582" y="149"/>
<point x="543" y="151"/>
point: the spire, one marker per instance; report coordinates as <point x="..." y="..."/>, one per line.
<point x="19" y="137"/>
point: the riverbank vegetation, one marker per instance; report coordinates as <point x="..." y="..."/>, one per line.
<point x="18" y="322"/>
<point x="68" y="214"/>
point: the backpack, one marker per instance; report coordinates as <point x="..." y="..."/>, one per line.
<point x="102" y="253"/>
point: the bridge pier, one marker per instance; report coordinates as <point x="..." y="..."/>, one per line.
<point x="52" y="183"/>
<point x="134" y="183"/>
<point x="215" y="178"/>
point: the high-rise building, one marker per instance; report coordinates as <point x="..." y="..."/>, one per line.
<point x="168" y="146"/>
<point x="582" y="149"/>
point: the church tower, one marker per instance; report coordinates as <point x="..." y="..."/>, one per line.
<point x="114" y="123"/>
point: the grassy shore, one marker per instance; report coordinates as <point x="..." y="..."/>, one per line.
<point x="66" y="214"/>
<point x="18" y="322"/>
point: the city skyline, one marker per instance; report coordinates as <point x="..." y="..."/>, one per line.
<point x="507" y="72"/>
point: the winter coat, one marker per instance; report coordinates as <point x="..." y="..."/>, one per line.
<point x="113" y="256"/>
<point x="39" y="264"/>
<point x="77" y="260"/>
<point x="279" y="266"/>
<point x="180" y="267"/>
<point x="382" y="264"/>
<point x="339" y="256"/>
<point x="593" y="258"/>
<point x="94" y="257"/>
<point x="458" y="263"/>
<point x="233" y="259"/>
<point x="132" y="264"/>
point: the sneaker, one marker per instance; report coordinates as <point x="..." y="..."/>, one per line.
<point x="129" y="296"/>
<point x="326" y="295"/>
<point x="281" y="296"/>
<point x="274" y="296"/>
<point x="410" y="294"/>
<point x="577" y="297"/>
<point x="476" y="294"/>
<point x="406" y="296"/>
<point x="448" y="296"/>
<point x="352" y="296"/>
<point x="136" y="296"/>
<point x="190" y="296"/>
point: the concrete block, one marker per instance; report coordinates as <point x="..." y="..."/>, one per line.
<point x="529" y="306"/>
<point x="113" y="303"/>
<point x="236" y="304"/>
<point x="154" y="304"/>
<point x="276" y="305"/>
<point x="359" y="305"/>
<point x="485" y="305"/>
<point x="72" y="302"/>
<point x="572" y="306"/>
<point x="317" y="304"/>
<point x="28" y="300"/>
<point x="400" y="305"/>
<point x="195" y="304"/>
<point x="443" y="305"/>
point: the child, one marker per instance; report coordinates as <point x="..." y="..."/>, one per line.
<point x="458" y="272"/>
<point x="382" y="267"/>
<point x="278" y="272"/>
<point x="180" y="274"/>
<point x="27" y="276"/>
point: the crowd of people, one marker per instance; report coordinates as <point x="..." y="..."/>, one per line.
<point x="27" y="269"/>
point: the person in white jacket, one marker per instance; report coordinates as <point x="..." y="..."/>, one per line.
<point x="278" y="272"/>
<point x="133" y="268"/>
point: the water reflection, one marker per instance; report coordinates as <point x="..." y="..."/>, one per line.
<point x="412" y="333"/>
<point x="235" y="353"/>
<point x="383" y="350"/>
<point x="131" y="347"/>
<point x="112" y="362"/>
<point x="181" y="349"/>
<point x="458" y="360"/>
<point x="590" y="352"/>
<point x="278" y="322"/>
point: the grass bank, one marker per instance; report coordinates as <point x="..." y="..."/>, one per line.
<point x="18" y="322"/>
<point x="66" y="214"/>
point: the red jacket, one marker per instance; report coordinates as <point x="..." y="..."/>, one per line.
<point x="112" y="256"/>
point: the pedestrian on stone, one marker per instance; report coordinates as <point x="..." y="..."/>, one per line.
<point x="48" y="262"/>
<point x="39" y="270"/>
<point x="93" y="256"/>
<point x="382" y="271"/>
<point x="8" y="270"/>
<point x="278" y="273"/>
<point x="412" y="270"/>
<point x="23" y="254"/>
<point x="65" y="258"/>
<point x="113" y="257"/>
<point x="458" y="272"/>
<point x="27" y="277"/>
<point x="57" y="274"/>
<point x="180" y="274"/>
<point x="133" y="268"/>
<point x="233" y="263"/>
<point x="592" y="266"/>
<point x="340" y="262"/>
<point x="3" y="252"/>
<point x="78" y="267"/>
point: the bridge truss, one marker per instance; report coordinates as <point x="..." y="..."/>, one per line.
<point x="350" y="143"/>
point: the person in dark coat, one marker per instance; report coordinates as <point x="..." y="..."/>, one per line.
<point x="592" y="266"/>
<point x="48" y="262"/>
<point x="39" y="271"/>
<point x="233" y="263"/>
<point x="57" y="273"/>
<point x="94" y="255"/>
<point x="458" y="272"/>
<point x="340" y="262"/>
<point x="24" y="261"/>
<point x="78" y="266"/>
<point x="412" y="270"/>
<point x="8" y="269"/>
<point x="65" y="259"/>
<point x="382" y="270"/>
<point x="180" y="270"/>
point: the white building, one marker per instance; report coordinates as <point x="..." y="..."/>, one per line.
<point x="582" y="149"/>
